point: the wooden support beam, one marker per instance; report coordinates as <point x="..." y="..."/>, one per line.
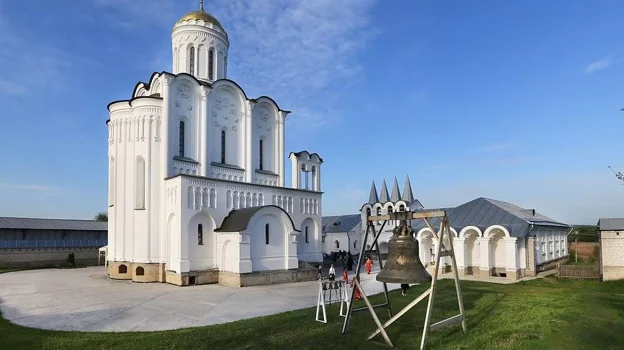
<point x="409" y="215"/>
<point x="449" y="321"/>
<point x="446" y="253"/>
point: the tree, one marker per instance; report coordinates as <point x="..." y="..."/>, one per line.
<point x="101" y="216"/>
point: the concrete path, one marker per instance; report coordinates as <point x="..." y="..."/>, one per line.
<point x="86" y="300"/>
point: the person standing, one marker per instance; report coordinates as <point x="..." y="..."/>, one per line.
<point x="332" y="273"/>
<point x="405" y="288"/>
<point x="369" y="265"/>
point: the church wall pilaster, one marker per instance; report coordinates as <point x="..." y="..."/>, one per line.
<point x="281" y="153"/>
<point x="204" y="154"/>
<point x="248" y="150"/>
<point x="165" y="158"/>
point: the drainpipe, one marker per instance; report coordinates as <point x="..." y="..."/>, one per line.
<point x="526" y="244"/>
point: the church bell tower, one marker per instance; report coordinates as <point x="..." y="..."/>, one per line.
<point x="200" y="46"/>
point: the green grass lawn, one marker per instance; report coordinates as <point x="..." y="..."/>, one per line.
<point x="539" y="314"/>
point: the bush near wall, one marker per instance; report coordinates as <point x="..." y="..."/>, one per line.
<point x="586" y="233"/>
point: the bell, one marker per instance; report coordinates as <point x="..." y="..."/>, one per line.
<point x="403" y="264"/>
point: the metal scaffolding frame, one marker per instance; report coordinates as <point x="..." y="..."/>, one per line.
<point x="430" y="292"/>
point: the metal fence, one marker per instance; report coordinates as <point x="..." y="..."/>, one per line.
<point x="66" y="243"/>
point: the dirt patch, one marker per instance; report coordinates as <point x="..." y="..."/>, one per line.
<point x="585" y="250"/>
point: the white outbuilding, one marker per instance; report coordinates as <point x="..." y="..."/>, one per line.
<point x="491" y="237"/>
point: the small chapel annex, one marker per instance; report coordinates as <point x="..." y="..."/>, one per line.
<point x="196" y="176"/>
<point x="491" y="238"/>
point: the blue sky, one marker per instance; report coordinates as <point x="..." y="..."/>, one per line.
<point x="513" y="100"/>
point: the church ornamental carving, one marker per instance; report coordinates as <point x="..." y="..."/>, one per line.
<point x="167" y="80"/>
<point x="224" y="109"/>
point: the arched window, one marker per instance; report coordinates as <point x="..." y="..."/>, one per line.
<point x="354" y="244"/>
<point x="390" y="210"/>
<point x="181" y="151"/>
<point x="402" y="208"/>
<point x="200" y="234"/>
<point x="378" y="211"/>
<point x="306" y="235"/>
<point x="140" y="271"/>
<point x="222" y="146"/>
<point x="261" y="154"/>
<point x="192" y="61"/>
<point x="139" y="202"/>
<point x="266" y="234"/>
<point x="368" y="212"/>
<point x="123" y="269"/>
<point x="210" y="64"/>
<point x="337" y="244"/>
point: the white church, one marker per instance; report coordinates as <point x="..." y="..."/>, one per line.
<point x="196" y="176"/>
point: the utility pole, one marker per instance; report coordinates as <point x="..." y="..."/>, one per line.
<point x="576" y="234"/>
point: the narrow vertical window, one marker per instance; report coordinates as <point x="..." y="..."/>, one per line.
<point x="261" y="154"/>
<point x="200" y="234"/>
<point x="354" y="244"/>
<point x="140" y="183"/>
<point x="181" y="152"/>
<point x="192" y="61"/>
<point x="222" y="146"/>
<point x="210" y="64"/>
<point x="306" y="235"/>
<point x="266" y="234"/>
<point x="337" y="245"/>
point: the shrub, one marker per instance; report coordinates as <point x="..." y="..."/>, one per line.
<point x="71" y="260"/>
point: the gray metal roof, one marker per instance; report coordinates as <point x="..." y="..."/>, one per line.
<point x="396" y="192"/>
<point x="238" y="219"/>
<point x="484" y="212"/>
<point x="611" y="224"/>
<point x="408" y="195"/>
<point x="340" y="223"/>
<point x="372" y="197"/>
<point x="52" y="224"/>
<point x="384" y="196"/>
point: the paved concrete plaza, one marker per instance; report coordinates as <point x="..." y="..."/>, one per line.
<point x="86" y="300"/>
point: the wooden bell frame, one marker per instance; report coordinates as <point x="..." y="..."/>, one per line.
<point x="443" y="233"/>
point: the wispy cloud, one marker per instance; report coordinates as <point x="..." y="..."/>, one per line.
<point x="27" y="62"/>
<point x="290" y="50"/>
<point x="27" y="187"/>
<point x="602" y="64"/>
<point x="133" y="14"/>
<point x="495" y="147"/>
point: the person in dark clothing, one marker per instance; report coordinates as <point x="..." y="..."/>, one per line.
<point x="349" y="262"/>
<point x="405" y="288"/>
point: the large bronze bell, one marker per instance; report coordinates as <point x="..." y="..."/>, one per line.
<point x="403" y="265"/>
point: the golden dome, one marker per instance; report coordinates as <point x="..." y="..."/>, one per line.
<point x="201" y="16"/>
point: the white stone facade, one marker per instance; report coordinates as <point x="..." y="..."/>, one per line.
<point x="612" y="255"/>
<point x="189" y="148"/>
<point x="348" y="241"/>
<point x="487" y="247"/>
